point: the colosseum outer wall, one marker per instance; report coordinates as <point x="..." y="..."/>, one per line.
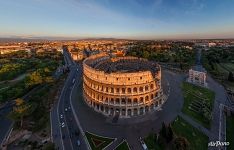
<point x="125" y="94"/>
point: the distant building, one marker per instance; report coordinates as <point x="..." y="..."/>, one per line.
<point x="211" y="44"/>
<point x="77" y="55"/>
<point x="197" y="76"/>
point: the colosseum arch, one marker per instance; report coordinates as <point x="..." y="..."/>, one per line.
<point x="152" y="106"/>
<point x="117" y="101"/>
<point x="147" y="98"/>
<point x="117" y="90"/>
<point x="142" y="111"/>
<point x="129" y="90"/>
<point x="129" y="101"/>
<point x="135" y="101"/>
<point x="141" y="100"/>
<point x="135" y="111"/>
<point x="129" y="113"/>
<point x="146" y="88"/>
<point x="112" y="90"/>
<point x="123" y="112"/>
<point x="123" y="90"/>
<point x="123" y="101"/>
<point x="135" y="89"/>
<point x="141" y="89"/>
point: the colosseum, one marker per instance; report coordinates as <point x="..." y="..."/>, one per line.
<point x="123" y="86"/>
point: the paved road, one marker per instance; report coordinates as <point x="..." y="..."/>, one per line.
<point x="131" y="129"/>
<point x="220" y="98"/>
<point x="217" y="131"/>
<point x="66" y="137"/>
<point x="5" y="124"/>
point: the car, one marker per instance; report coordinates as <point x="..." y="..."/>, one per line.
<point x="77" y="69"/>
<point x="65" y="109"/>
<point x="61" y="116"/>
<point x="143" y="145"/>
<point x="73" y="81"/>
<point x="78" y="142"/>
<point x="62" y="124"/>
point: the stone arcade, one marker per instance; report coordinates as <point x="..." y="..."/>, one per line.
<point x="124" y="86"/>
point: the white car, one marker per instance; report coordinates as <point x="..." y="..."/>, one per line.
<point x="63" y="125"/>
<point x="143" y="145"/>
<point x="65" y="109"/>
<point x="61" y="116"/>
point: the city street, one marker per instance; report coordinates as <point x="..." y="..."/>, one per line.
<point x="66" y="136"/>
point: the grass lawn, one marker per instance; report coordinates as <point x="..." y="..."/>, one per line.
<point x="230" y="132"/>
<point x="229" y="66"/>
<point x="224" y="69"/>
<point x="123" y="146"/>
<point x="97" y="142"/>
<point x="196" y="139"/>
<point x="194" y="93"/>
<point x="4" y="86"/>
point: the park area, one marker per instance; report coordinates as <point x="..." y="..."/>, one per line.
<point x="219" y="63"/>
<point x="98" y="142"/>
<point x="197" y="140"/>
<point x="223" y="70"/>
<point x="179" y="135"/>
<point x="198" y="103"/>
<point x="19" y="75"/>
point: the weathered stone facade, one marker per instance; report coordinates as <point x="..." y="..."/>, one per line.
<point x="124" y="86"/>
<point x="197" y="75"/>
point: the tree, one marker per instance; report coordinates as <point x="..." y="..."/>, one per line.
<point x="181" y="143"/>
<point x="20" y="110"/>
<point x="49" y="146"/>
<point x="163" y="131"/>
<point x="170" y="134"/>
<point x="34" y="79"/>
<point x="146" y="54"/>
<point x="230" y="77"/>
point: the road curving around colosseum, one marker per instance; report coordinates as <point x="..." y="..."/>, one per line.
<point x="134" y="127"/>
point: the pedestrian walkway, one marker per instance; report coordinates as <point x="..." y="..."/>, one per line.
<point x="195" y="124"/>
<point x="114" y="144"/>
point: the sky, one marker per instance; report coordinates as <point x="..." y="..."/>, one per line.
<point x="131" y="19"/>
